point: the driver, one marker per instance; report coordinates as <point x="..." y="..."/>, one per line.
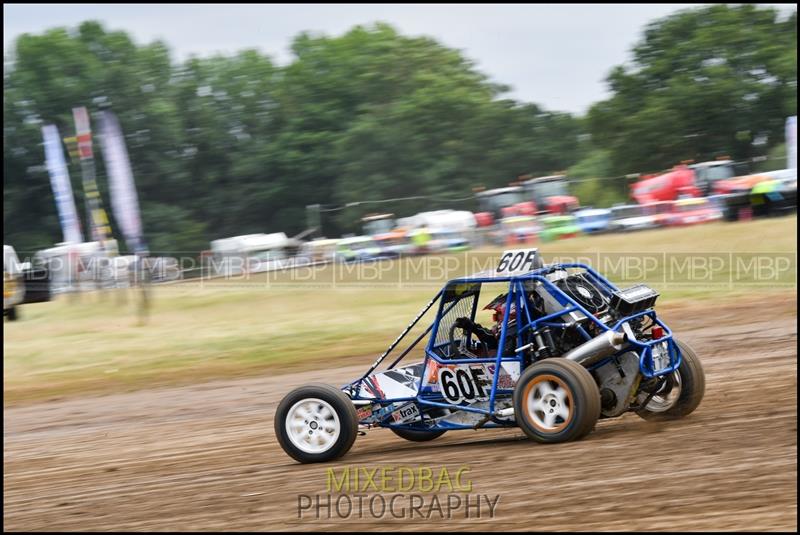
<point x="491" y="337"/>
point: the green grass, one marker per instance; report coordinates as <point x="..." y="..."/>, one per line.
<point x="197" y="330"/>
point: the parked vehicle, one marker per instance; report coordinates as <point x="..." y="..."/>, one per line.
<point x="460" y="220"/>
<point x="660" y="211"/>
<point x="498" y="203"/>
<point x="23" y="283"/>
<point x="253" y="253"/>
<point x="13" y="283"/>
<point x="566" y="349"/>
<point x="593" y="220"/>
<point x="558" y="227"/>
<point x="767" y="193"/>
<point x="79" y="266"/>
<point x="550" y="194"/>
<point x="693" y="180"/>
<point x="632" y="217"/>
<point x="319" y="251"/>
<point x="774" y="197"/>
<point x="394" y="244"/>
<point x="444" y="239"/>
<point x="693" y="212"/>
<point x="358" y="249"/>
<point x="521" y="229"/>
<point x="391" y="240"/>
<point x="439" y="230"/>
<point x="547" y="194"/>
<point x="377" y="224"/>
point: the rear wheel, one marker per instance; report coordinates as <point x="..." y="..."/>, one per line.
<point x="12" y="314"/>
<point x="316" y="423"/>
<point x="417" y="436"/>
<point x="556" y="400"/>
<point x="681" y="392"/>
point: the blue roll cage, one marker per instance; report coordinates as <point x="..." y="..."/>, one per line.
<point x="516" y="295"/>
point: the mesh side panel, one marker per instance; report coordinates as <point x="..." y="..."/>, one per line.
<point x="462" y="308"/>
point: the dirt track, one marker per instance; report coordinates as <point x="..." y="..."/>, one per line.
<point x="204" y="457"/>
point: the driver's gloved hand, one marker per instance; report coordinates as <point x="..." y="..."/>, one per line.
<point x="485" y="336"/>
<point x="463" y="323"/>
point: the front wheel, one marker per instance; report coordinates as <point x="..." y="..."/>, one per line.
<point x="556" y="400"/>
<point x="681" y="392"/>
<point x="316" y="423"/>
<point x="417" y="436"/>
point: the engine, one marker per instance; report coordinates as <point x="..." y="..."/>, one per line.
<point x="606" y="305"/>
<point x="618" y="378"/>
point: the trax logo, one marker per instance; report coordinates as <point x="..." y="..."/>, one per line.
<point x="406" y="413"/>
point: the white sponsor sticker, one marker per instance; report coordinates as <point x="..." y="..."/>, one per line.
<point x="406" y="413"/>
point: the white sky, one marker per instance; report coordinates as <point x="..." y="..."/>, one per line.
<point x="554" y="55"/>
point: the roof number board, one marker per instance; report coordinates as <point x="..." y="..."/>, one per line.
<point x="517" y="261"/>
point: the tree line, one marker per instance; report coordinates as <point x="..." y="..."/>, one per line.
<point x="234" y="144"/>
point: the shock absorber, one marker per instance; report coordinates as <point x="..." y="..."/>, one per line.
<point x="544" y="343"/>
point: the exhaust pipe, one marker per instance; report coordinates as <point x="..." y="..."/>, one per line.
<point x="597" y="348"/>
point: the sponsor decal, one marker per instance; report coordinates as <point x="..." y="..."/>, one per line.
<point x="364" y="412"/>
<point x="433" y="371"/>
<point x="382" y="412"/>
<point x="406" y="413"/>
<point x="505" y="382"/>
<point x="373" y="387"/>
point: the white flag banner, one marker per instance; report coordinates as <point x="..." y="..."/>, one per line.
<point x="62" y="187"/>
<point x="120" y="179"/>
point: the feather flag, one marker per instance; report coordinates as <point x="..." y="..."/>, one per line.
<point x="62" y="187"/>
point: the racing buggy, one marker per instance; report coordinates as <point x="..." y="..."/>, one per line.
<point x="567" y="348"/>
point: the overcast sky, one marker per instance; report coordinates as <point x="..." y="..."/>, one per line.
<point x="554" y="55"/>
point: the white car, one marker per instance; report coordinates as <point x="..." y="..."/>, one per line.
<point x="631" y="217"/>
<point x="13" y="282"/>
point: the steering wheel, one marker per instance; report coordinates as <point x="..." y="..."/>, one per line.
<point x="461" y="346"/>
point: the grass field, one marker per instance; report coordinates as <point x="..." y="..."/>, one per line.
<point x="196" y="330"/>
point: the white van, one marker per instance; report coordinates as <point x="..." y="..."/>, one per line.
<point x="80" y="266"/>
<point x="253" y="253"/>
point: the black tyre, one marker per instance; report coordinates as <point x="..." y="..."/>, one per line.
<point x="316" y="423"/>
<point x="418" y="436"/>
<point x="681" y="393"/>
<point x="556" y="400"/>
<point x="12" y="314"/>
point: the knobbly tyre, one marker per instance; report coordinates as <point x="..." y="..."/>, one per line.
<point x="567" y="348"/>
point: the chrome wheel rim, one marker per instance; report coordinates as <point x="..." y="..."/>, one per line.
<point x="312" y="425"/>
<point x="664" y="400"/>
<point x="549" y="404"/>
